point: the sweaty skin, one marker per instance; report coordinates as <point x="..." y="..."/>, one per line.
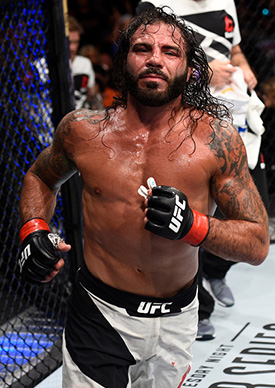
<point x="117" y="155"/>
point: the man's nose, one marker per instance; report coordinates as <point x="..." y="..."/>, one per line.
<point x="155" y="60"/>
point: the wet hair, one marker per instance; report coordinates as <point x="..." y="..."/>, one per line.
<point x="195" y="94"/>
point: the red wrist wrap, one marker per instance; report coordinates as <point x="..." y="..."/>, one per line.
<point x="199" y="230"/>
<point x="33" y="225"/>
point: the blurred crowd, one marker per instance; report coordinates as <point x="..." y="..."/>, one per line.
<point x="100" y="21"/>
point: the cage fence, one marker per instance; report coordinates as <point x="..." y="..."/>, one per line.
<point x="31" y="317"/>
<point x="257" y="20"/>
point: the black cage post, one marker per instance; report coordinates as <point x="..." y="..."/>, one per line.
<point x="63" y="102"/>
<point x="36" y="91"/>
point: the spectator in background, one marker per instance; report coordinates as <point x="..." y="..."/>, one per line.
<point x="92" y="15"/>
<point x="103" y="70"/>
<point x="82" y="68"/>
<point x="99" y="19"/>
<point x="217" y="28"/>
<point x="92" y="52"/>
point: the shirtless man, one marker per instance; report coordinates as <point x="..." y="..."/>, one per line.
<point x="132" y="316"/>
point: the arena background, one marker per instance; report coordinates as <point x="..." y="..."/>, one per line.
<point x="36" y="92"/>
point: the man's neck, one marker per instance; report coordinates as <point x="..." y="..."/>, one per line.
<point x="150" y="115"/>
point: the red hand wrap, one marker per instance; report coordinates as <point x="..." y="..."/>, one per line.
<point x="33" y="225"/>
<point x="199" y="229"/>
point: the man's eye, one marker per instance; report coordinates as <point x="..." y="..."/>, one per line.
<point x="172" y="53"/>
<point x="141" y="50"/>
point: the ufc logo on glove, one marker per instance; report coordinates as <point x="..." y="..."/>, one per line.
<point x="170" y="216"/>
<point x="177" y="218"/>
<point x="26" y="252"/>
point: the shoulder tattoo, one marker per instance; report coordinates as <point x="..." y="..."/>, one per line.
<point x="228" y="148"/>
<point x="238" y="191"/>
<point x="65" y="126"/>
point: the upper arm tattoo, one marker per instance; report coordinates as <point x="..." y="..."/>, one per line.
<point x="53" y="166"/>
<point x="53" y="169"/>
<point x="233" y="188"/>
<point x="228" y="148"/>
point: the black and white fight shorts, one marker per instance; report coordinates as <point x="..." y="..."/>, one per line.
<point x="116" y="339"/>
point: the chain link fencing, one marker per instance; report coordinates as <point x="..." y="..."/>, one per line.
<point x="31" y="317"/>
<point x="257" y="21"/>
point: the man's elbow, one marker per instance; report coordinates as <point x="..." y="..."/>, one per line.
<point x="259" y="255"/>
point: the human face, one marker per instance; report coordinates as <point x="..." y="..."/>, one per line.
<point x="156" y="65"/>
<point x="74" y="39"/>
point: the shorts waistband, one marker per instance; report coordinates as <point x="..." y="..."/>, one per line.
<point x="136" y="305"/>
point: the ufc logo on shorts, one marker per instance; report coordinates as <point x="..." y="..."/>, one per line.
<point x="24" y="255"/>
<point x="177" y="218"/>
<point x="151" y="308"/>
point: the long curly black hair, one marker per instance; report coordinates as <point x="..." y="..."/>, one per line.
<point x="195" y="94"/>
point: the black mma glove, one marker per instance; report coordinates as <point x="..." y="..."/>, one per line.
<point x="170" y="216"/>
<point x="39" y="251"/>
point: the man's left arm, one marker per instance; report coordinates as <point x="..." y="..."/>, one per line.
<point x="243" y="236"/>
<point x="244" y="233"/>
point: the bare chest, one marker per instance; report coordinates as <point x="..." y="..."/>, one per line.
<point x="115" y="170"/>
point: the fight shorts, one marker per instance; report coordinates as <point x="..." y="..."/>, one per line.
<point x="116" y="339"/>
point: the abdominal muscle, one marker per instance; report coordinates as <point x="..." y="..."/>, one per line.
<point x="121" y="253"/>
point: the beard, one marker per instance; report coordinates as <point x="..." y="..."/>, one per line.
<point x="150" y="96"/>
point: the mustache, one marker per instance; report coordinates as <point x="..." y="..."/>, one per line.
<point x="155" y="71"/>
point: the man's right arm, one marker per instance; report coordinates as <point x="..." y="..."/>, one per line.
<point x="40" y="257"/>
<point x="42" y="182"/>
